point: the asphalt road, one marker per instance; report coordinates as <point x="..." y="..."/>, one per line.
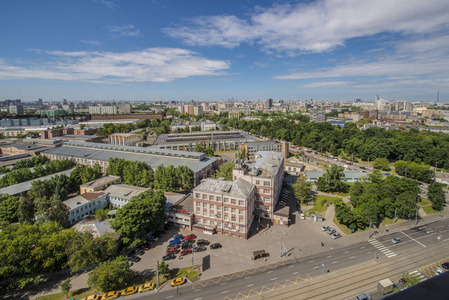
<point x="379" y="250"/>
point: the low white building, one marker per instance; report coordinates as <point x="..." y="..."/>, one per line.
<point x="85" y="204"/>
<point x="120" y="194"/>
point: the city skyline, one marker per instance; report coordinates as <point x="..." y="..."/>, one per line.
<point x="212" y="51"/>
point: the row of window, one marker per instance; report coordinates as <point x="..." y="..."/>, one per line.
<point x="218" y="216"/>
<point x="218" y="199"/>
<point x="218" y="224"/>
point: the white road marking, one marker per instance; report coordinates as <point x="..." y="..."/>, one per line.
<point x="352" y="257"/>
<point x="273" y="278"/>
<point x="224" y="292"/>
<point x="346" y="252"/>
<point x="169" y="297"/>
<point x="290" y="266"/>
<point x="413" y="239"/>
<point x="381" y="248"/>
<point x="295" y="273"/>
<point x="369" y="252"/>
<point x="315" y="267"/>
<point x="362" y="247"/>
<point x="334" y="262"/>
<point x="391" y="255"/>
<point x="199" y="298"/>
<point x="310" y="261"/>
<point x="248" y="277"/>
<point x="329" y="256"/>
<point x="223" y="283"/>
<point x="269" y="272"/>
<point x="197" y="290"/>
<point x="250" y="284"/>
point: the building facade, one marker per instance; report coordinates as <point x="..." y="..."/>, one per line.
<point x="317" y="116"/>
<point x="84" y="204"/>
<point x="125" y="139"/>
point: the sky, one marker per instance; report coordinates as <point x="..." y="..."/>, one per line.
<point x="208" y="50"/>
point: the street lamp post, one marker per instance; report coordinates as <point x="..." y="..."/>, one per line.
<point x="157" y="271"/>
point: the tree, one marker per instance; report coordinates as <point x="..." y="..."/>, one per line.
<point x="225" y="171"/>
<point x="163" y="268"/>
<point x="110" y="275"/>
<point x="8" y="209"/>
<point x="410" y="280"/>
<point x="436" y="195"/>
<point x="25" y="210"/>
<point x="199" y="147"/>
<point x="66" y="286"/>
<point x="144" y="213"/>
<point x="209" y="152"/>
<point x="381" y="163"/>
<point x="302" y="189"/>
<point x="333" y="180"/>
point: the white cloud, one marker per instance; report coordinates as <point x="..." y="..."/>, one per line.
<point x="317" y="26"/>
<point x="108" y="4"/>
<point x="128" y="30"/>
<point x="326" y="84"/>
<point x="148" y="65"/>
<point x="91" y="42"/>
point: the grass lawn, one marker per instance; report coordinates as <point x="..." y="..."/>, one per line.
<point x="77" y="294"/>
<point x="342" y="227"/>
<point x="429" y="210"/>
<point x="191" y="274"/>
<point x="425" y="202"/>
<point x="319" y="206"/>
<point x="342" y="194"/>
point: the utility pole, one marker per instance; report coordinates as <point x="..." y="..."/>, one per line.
<point x="280" y="255"/>
<point x="157" y="271"/>
<point x="375" y="257"/>
<point x="417" y="210"/>
<point x="369" y="232"/>
<point x="395" y="211"/>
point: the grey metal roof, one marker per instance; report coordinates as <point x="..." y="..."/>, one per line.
<point x="124" y="191"/>
<point x="269" y="161"/>
<point x="238" y="188"/>
<point x="79" y="200"/>
<point x="348" y="174"/>
<point x="101" y="181"/>
<point x="25" y="186"/>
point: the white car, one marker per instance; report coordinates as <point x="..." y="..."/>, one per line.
<point x="302" y="216"/>
<point x="396" y="240"/>
<point x="325" y="228"/>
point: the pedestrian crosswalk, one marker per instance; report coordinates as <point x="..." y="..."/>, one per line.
<point x="383" y="249"/>
<point x="418" y="274"/>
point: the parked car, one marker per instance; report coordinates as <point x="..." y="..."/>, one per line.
<point x="190" y="237"/>
<point x="302" y="216"/>
<point x="186" y="246"/>
<point x="336" y="235"/>
<point x="139" y="252"/>
<point x="331" y="231"/>
<point x="325" y="228"/>
<point x="363" y="297"/>
<point x="172" y="251"/>
<point x="201" y="241"/>
<point x="129" y="291"/>
<point x="110" y="295"/>
<point x="178" y="281"/>
<point x="199" y="249"/>
<point x="145" y="247"/>
<point x="174" y="242"/>
<point x="445" y="266"/>
<point x="215" y="246"/>
<point x="168" y="257"/>
<point x="134" y="258"/>
<point x="92" y="297"/>
<point x="173" y="246"/>
<point x="185" y="252"/>
<point x="396" y="240"/>
<point x="178" y="237"/>
<point x="146" y="287"/>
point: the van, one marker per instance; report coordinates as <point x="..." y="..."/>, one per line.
<point x="385" y="286"/>
<point x="302" y="216"/>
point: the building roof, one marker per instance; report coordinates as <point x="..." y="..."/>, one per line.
<point x="238" y="188"/>
<point x="260" y="143"/>
<point x="96" y="227"/>
<point x="25" y="186"/>
<point x="179" y="138"/>
<point x="124" y="191"/>
<point x="152" y="157"/>
<point x="268" y="161"/>
<point x="77" y="201"/>
<point x="101" y="181"/>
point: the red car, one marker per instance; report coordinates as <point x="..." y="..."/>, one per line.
<point x="171" y="251"/>
<point x="186" y="251"/>
<point x="190" y="237"/>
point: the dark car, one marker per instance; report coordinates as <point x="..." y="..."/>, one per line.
<point x="172" y="251"/>
<point x="140" y="252"/>
<point x="173" y="246"/>
<point x="445" y="266"/>
<point x="134" y="258"/>
<point x="215" y="246"/>
<point x="168" y="257"/>
<point x="186" y="245"/>
<point x="178" y="237"/>
<point x="145" y="247"/>
<point x="202" y="242"/>
<point x="199" y="249"/>
<point x="186" y="251"/>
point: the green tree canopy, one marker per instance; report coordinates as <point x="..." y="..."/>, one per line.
<point x="302" y="189"/>
<point x="333" y="180"/>
<point x="225" y="170"/>
<point x="110" y="275"/>
<point x="436" y="195"/>
<point x="143" y="213"/>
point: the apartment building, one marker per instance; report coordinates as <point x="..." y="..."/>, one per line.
<point x="84" y="204"/>
<point x="225" y="207"/>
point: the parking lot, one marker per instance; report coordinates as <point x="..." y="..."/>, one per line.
<point x="301" y="238"/>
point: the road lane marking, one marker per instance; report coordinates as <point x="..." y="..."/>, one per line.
<point x="315" y="267"/>
<point x="250" y="284"/>
<point x="223" y="283"/>
<point x="290" y="266"/>
<point x="199" y="298"/>
<point x="381" y="248"/>
<point x="248" y="277"/>
<point x="269" y="272"/>
<point x="295" y="273"/>
<point x="310" y="261"/>
<point x="352" y="257"/>
<point x="197" y="290"/>
<point x="362" y="247"/>
<point x="329" y="256"/>
<point x="334" y="262"/>
<point x="413" y="239"/>
<point x="169" y="297"/>
<point x="391" y="255"/>
<point x="274" y="278"/>
<point x="369" y="252"/>
<point x="346" y="252"/>
<point x="224" y="292"/>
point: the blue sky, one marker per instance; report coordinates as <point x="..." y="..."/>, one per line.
<point x="210" y="50"/>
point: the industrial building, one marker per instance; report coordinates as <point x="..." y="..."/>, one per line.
<point x="86" y="153"/>
<point x="251" y="148"/>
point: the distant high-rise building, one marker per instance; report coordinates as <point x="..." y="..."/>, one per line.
<point x="317" y="116"/>
<point x="269" y="103"/>
<point x="16" y="109"/>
